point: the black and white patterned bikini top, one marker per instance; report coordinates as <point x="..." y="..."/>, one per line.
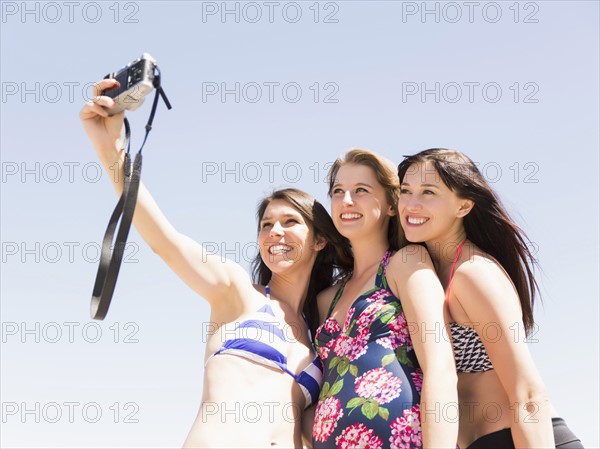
<point x="469" y="352"/>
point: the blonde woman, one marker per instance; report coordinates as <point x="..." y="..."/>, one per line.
<point x="389" y="377"/>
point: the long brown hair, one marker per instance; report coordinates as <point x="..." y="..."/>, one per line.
<point x="333" y="261"/>
<point x="386" y="175"/>
<point x="487" y="225"/>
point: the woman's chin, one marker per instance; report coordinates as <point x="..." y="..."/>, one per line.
<point x="413" y="237"/>
<point x="278" y="265"/>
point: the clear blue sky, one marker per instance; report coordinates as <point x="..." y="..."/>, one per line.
<point x="265" y="95"/>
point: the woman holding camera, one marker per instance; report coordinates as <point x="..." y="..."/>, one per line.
<point x="261" y="330"/>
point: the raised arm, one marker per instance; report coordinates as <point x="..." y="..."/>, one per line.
<point x="412" y="277"/>
<point x="488" y="297"/>
<point x="221" y="283"/>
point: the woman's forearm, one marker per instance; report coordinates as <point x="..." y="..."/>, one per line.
<point x="439" y="411"/>
<point x="148" y="219"/>
<point x="531" y="425"/>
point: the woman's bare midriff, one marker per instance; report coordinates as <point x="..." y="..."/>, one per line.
<point x="484" y="407"/>
<point x="242" y="407"/>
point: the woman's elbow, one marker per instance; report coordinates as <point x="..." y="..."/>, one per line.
<point x="530" y="398"/>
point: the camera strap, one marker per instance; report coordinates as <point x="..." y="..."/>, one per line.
<point x="112" y="256"/>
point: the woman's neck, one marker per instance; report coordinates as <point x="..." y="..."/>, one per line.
<point x="367" y="253"/>
<point x="290" y="289"/>
<point x="443" y="250"/>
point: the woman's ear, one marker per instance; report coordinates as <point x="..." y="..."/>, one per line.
<point x="320" y="243"/>
<point x="392" y="212"/>
<point x="465" y="207"/>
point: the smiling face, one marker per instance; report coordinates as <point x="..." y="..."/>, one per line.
<point x="285" y="238"/>
<point x="429" y="211"/>
<point x="358" y="202"/>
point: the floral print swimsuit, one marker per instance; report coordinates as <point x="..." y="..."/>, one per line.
<point x="372" y="380"/>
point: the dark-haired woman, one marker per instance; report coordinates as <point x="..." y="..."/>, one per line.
<point x="261" y="371"/>
<point x="484" y="263"/>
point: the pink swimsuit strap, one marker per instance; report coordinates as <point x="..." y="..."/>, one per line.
<point x="456" y="256"/>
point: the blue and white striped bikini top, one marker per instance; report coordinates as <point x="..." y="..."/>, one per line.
<point x="261" y="340"/>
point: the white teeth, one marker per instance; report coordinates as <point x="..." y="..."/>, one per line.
<point x="279" y="249"/>
<point x="417" y="221"/>
<point x="349" y="216"/>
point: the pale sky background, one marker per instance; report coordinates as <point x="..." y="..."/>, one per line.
<point x="517" y="90"/>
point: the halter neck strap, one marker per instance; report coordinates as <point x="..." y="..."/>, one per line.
<point x="456" y="256"/>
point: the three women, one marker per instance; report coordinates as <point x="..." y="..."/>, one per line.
<point x="388" y="370"/>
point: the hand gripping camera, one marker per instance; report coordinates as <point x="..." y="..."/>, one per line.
<point x="136" y="80"/>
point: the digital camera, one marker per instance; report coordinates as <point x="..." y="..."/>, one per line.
<point x="136" y="80"/>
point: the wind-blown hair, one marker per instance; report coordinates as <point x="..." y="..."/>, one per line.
<point x="333" y="262"/>
<point x="487" y="225"/>
<point x="386" y="175"/>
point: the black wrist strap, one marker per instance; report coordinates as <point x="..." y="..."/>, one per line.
<point x="111" y="258"/>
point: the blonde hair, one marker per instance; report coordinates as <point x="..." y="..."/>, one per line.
<point x="387" y="176"/>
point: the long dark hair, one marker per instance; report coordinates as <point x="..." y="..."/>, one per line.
<point x="385" y="172"/>
<point x="334" y="261"/>
<point x="487" y="225"/>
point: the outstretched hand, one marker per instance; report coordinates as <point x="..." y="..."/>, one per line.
<point x="103" y="130"/>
